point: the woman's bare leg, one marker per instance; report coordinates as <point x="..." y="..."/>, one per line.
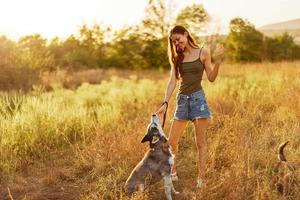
<point x="200" y="127"/>
<point x="176" y="131"/>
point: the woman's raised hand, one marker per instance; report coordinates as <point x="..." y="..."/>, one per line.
<point x="219" y="53"/>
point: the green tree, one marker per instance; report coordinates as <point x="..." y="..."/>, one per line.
<point x="92" y="42"/>
<point x="33" y="52"/>
<point x="244" y="42"/>
<point x="72" y="55"/>
<point x="194" y="18"/>
<point x="157" y="19"/>
<point x="56" y="48"/>
<point x="7" y="52"/>
<point x="86" y="50"/>
<point x="281" y="47"/>
<point x="126" y="49"/>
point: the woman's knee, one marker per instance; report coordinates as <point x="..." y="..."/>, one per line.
<point x="176" y="131"/>
<point x="174" y="144"/>
<point x="201" y="143"/>
<point x="202" y="122"/>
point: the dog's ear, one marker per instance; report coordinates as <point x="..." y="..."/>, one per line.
<point x="146" y="138"/>
<point x="149" y="135"/>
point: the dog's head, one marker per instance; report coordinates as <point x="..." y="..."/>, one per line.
<point x="155" y="133"/>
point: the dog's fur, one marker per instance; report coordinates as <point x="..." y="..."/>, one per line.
<point x="286" y="180"/>
<point x="156" y="163"/>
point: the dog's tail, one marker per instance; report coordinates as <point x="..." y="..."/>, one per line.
<point x="282" y="158"/>
<point x="281" y="155"/>
<point x="284" y="186"/>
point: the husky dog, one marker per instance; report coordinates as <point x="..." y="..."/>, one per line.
<point x="156" y="163"/>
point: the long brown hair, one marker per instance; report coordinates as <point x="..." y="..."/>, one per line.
<point x="176" y="58"/>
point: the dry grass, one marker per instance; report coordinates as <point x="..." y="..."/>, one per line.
<point x="82" y="143"/>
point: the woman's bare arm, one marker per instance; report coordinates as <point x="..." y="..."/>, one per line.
<point x="171" y="85"/>
<point x="170" y="88"/>
<point x="212" y="72"/>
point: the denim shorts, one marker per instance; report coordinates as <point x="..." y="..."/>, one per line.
<point x="191" y="107"/>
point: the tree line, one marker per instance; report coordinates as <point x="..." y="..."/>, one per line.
<point x="143" y="46"/>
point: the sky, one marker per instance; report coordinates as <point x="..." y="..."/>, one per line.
<point x="62" y="18"/>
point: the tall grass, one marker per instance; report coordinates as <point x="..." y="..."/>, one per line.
<point x="33" y="124"/>
<point x="99" y="127"/>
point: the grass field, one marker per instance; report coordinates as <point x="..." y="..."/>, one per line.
<point x="82" y="142"/>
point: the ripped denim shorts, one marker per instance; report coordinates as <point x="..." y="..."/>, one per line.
<point x="192" y="106"/>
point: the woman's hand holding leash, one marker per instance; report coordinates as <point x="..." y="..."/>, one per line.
<point x="162" y="111"/>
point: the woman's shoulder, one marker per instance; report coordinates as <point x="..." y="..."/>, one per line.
<point x="204" y="52"/>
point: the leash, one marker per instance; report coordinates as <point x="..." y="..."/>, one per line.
<point x="164" y="119"/>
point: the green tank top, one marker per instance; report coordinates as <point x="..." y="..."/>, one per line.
<point x="191" y="76"/>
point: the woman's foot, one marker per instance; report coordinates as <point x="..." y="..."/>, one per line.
<point x="174" y="176"/>
<point x="200" y="183"/>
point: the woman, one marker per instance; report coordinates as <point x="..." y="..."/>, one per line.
<point x="188" y="62"/>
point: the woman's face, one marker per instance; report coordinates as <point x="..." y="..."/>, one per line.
<point x="179" y="41"/>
